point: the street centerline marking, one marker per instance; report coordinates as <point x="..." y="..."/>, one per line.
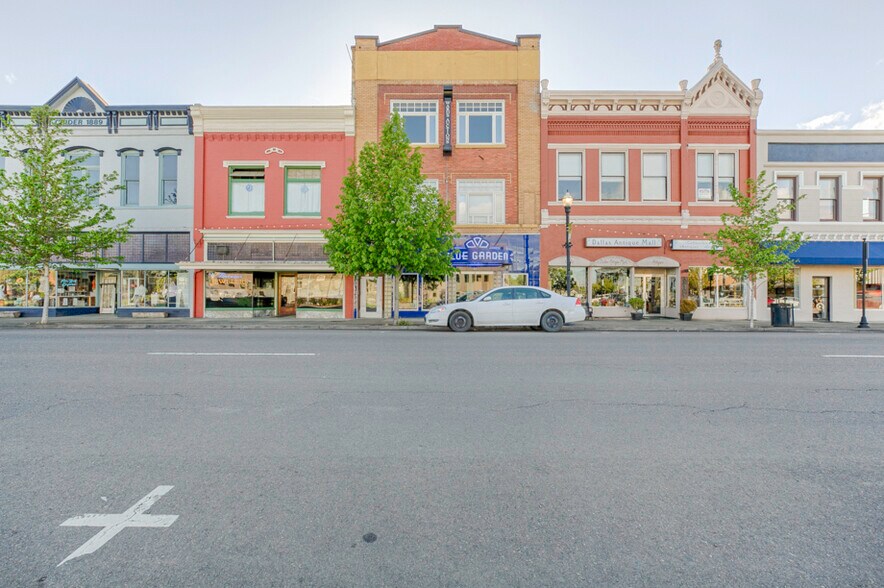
<point x="114" y="523"/>
<point x="230" y="353"/>
<point x="863" y="356"/>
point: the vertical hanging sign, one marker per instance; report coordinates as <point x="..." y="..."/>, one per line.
<point x="447" y="91"/>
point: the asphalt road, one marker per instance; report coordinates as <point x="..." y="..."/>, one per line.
<point x="434" y="459"/>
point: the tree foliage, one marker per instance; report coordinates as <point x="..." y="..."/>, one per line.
<point x="389" y="221"/>
<point x="750" y="244"/>
<point x="50" y="210"/>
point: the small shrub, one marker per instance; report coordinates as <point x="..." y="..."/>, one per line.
<point x="687" y="306"/>
<point x="637" y="303"/>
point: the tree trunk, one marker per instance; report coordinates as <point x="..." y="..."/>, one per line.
<point x="752" y="304"/>
<point x="44" y="319"/>
<point x="395" y="298"/>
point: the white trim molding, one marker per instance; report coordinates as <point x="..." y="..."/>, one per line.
<point x="264" y="164"/>
<point x="319" y="164"/>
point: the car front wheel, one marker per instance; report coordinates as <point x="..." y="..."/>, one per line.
<point x="551" y="321"/>
<point x="460" y="322"/>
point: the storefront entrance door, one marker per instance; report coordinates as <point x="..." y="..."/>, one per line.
<point x="288" y="294"/>
<point x="821" y="305"/>
<point x="370" y="299"/>
<point x="108" y="286"/>
<point x="651" y="289"/>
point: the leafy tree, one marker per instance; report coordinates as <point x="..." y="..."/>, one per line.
<point x="749" y="245"/>
<point x="389" y="221"/>
<point x="50" y="214"/>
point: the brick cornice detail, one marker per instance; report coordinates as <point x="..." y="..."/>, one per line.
<point x="612" y="127"/>
<point x="255" y="137"/>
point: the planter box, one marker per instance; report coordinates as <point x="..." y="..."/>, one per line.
<point x="637" y="316"/>
<point x="150" y="315"/>
<point x="685" y="316"/>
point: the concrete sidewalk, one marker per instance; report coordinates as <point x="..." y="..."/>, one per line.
<point x="287" y="323"/>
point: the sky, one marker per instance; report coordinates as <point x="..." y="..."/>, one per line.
<point x="821" y="63"/>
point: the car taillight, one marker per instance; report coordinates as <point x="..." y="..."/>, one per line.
<point x="578" y="301"/>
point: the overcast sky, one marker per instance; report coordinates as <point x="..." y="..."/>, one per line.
<point x="821" y="62"/>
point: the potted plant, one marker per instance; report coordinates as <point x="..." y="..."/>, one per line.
<point x="686" y="310"/>
<point x="638" y="307"/>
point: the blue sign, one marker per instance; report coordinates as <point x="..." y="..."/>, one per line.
<point x="478" y="252"/>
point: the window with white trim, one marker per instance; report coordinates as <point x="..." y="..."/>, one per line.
<point x="613" y="173"/>
<point x="716" y="173"/>
<point x="655" y="176"/>
<point x="570" y="178"/>
<point x="90" y="166"/>
<point x="787" y="189"/>
<point x="420" y="118"/>
<point x="131" y="177"/>
<point x="246" y="191"/>
<point x="872" y="199"/>
<point x="303" y="191"/>
<point x="481" y="202"/>
<point x="830" y="195"/>
<point x="168" y="178"/>
<point x="480" y="122"/>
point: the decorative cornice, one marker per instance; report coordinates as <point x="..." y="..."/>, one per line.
<point x="613" y="127"/>
<point x="273" y="119"/>
<point x="255" y="137"/>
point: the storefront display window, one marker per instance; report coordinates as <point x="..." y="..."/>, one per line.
<point x="435" y="293"/>
<point x="714" y="290"/>
<point x="408" y="298"/>
<point x="673" y="287"/>
<point x="467" y="285"/>
<point x="874" y="280"/>
<point x="515" y="280"/>
<point x="782" y="287"/>
<point x="67" y="288"/>
<point x="22" y="288"/>
<point x="154" y="289"/>
<point x="229" y="290"/>
<point x="320" y="293"/>
<point x="610" y="286"/>
<point x="75" y="288"/>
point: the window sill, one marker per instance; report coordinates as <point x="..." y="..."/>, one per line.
<point x="714" y="203"/>
<point x="581" y="203"/>
<point x="480" y="146"/>
<point x="245" y="216"/>
<point x="303" y="215"/>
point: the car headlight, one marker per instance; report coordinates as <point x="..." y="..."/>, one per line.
<point x="437" y="309"/>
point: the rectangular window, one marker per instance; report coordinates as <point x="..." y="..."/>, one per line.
<point x="154" y="288"/>
<point x="168" y="179"/>
<point x="570" y="175"/>
<point x="874" y="280"/>
<point x="246" y="191"/>
<point x="420" y="119"/>
<point x="613" y="171"/>
<point x="90" y="167"/>
<point x="714" y="290"/>
<point x="408" y="295"/>
<point x="655" y="176"/>
<point x="716" y="173"/>
<point x="782" y="287"/>
<point x="830" y="193"/>
<point x="872" y="199"/>
<point x="303" y="191"/>
<point x="131" y="178"/>
<point x="481" y="202"/>
<point x="434" y="292"/>
<point x="480" y="122"/>
<point x="320" y="295"/>
<point x="787" y="188"/>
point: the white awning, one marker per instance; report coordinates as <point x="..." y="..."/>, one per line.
<point x="656" y="261"/>
<point x="561" y="261"/>
<point x="613" y="261"/>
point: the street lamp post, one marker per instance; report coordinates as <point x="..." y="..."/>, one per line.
<point x="567" y="200"/>
<point x="864" y="322"/>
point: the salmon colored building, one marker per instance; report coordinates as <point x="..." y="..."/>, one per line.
<point x="267" y="180"/>
<point x="649" y="174"/>
<point x="471" y="103"/>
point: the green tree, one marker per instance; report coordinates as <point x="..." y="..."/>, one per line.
<point x="389" y="221"/>
<point x="749" y="245"/>
<point x="50" y="214"/>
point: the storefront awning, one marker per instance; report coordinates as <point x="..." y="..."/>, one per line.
<point x="656" y="261"/>
<point x="838" y="253"/>
<point x="613" y="261"/>
<point x="233" y="266"/>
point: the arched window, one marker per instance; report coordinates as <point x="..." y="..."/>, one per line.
<point x="91" y="165"/>
<point x="130" y="175"/>
<point x="168" y="157"/>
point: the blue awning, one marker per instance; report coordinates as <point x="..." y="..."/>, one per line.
<point x="838" y="253"/>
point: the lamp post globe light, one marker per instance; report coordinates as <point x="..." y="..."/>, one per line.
<point x="567" y="200"/>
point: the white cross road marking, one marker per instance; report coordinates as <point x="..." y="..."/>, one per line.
<point x="244" y="354"/>
<point x="863" y="356"/>
<point x="114" y="523"/>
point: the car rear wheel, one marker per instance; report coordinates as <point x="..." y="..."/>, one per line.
<point x="551" y="321"/>
<point x="460" y="322"/>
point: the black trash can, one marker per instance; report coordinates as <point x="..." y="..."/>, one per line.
<point x="782" y="314"/>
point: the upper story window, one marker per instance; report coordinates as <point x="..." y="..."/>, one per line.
<point x="716" y="173"/>
<point x="303" y="191"/>
<point x="131" y="177"/>
<point x="830" y="195"/>
<point x="787" y="189"/>
<point x="655" y="176"/>
<point x="91" y="166"/>
<point x="420" y="118"/>
<point x="246" y="191"/>
<point x="480" y="202"/>
<point x="480" y="122"/>
<point x="570" y="175"/>
<point x="872" y="199"/>
<point x="613" y="172"/>
<point x="168" y="177"/>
